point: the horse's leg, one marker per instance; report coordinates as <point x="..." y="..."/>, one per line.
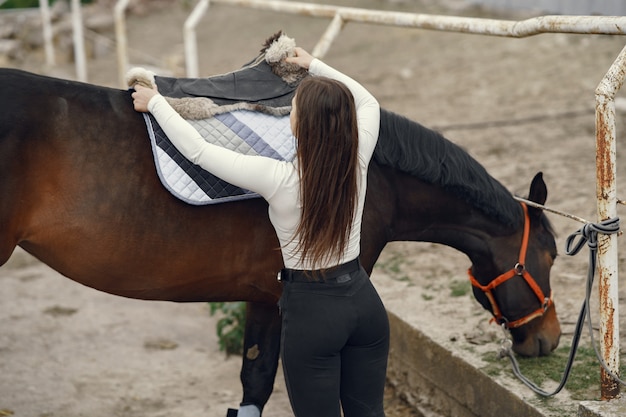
<point x="260" y="357"/>
<point x="5" y="251"/>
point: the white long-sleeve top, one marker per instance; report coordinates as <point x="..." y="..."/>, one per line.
<point x="276" y="181"/>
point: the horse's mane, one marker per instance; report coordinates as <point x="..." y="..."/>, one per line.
<point x="416" y="150"/>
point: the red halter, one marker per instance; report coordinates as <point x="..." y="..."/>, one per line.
<point x="518" y="270"/>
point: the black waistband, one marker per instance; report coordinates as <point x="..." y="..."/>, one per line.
<point x="334" y="274"/>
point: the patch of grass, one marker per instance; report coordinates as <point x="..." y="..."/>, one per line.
<point x="583" y="382"/>
<point x="402" y="278"/>
<point x="394" y="267"/>
<point x="459" y="288"/>
<point x="584" y="379"/>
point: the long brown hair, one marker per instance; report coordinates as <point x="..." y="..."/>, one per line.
<point x="327" y="153"/>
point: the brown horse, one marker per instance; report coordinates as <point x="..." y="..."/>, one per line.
<point x="79" y="191"/>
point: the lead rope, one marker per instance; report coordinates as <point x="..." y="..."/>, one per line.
<point x="586" y="234"/>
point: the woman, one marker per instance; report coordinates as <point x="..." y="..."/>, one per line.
<point x="335" y="333"/>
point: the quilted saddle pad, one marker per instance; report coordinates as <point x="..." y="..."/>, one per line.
<point x="247" y="132"/>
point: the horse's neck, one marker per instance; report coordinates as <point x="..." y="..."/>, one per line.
<point x="426" y="213"/>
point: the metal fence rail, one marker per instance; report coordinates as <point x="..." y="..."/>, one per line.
<point x="607" y="25"/>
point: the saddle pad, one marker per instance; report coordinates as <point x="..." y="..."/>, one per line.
<point x="243" y="131"/>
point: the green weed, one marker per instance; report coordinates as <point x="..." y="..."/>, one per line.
<point x="231" y="326"/>
<point x="583" y="382"/>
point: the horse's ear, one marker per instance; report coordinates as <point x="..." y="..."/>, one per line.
<point x="538" y="190"/>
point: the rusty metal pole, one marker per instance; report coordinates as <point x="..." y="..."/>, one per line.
<point x="606" y="191"/>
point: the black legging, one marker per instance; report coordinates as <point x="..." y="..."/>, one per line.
<point x="334" y="347"/>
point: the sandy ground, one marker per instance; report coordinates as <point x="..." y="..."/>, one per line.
<point x="68" y="350"/>
<point x="517" y="105"/>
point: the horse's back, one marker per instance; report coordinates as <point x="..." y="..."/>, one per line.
<point x="79" y="190"/>
<point x="31" y="101"/>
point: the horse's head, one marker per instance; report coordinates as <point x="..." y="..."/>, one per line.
<point x="515" y="285"/>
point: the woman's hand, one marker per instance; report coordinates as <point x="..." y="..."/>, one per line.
<point x="302" y="58"/>
<point x="142" y="96"/>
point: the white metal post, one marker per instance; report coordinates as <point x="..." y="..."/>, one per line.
<point x="44" y="7"/>
<point x="79" y="41"/>
<point x="333" y="30"/>
<point x="121" y="40"/>
<point x="189" y="36"/>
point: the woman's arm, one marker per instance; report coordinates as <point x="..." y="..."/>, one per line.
<point x="255" y="173"/>
<point x="367" y="107"/>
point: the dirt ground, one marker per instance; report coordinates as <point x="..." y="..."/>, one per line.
<point x="519" y="106"/>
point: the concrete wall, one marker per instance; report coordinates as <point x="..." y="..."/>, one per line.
<point x="439" y="383"/>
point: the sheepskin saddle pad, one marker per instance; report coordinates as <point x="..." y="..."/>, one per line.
<point x="246" y="110"/>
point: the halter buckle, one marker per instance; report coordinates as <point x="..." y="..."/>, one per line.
<point x="519" y="268"/>
<point x="503" y="322"/>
